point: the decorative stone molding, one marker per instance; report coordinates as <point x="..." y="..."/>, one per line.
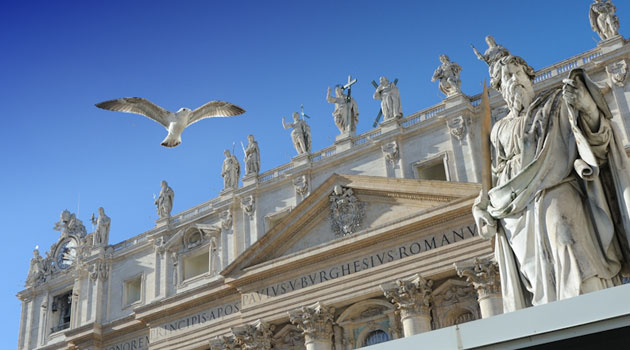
<point x="455" y="301"/>
<point x="248" y="205"/>
<point x="484" y="277"/>
<point x="288" y="337"/>
<point x="390" y="151"/>
<point x="457" y="127"/>
<point x="226" y="220"/>
<point x="412" y="296"/>
<point x="346" y="211"/>
<point x="315" y="321"/>
<point x="224" y="343"/>
<point x="159" y="244"/>
<point x="617" y="73"/>
<point x="255" y="336"/>
<point x="99" y="270"/>
<point x="300" y="184"/>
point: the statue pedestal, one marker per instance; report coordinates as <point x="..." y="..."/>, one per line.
<point x="457" y="99"/>
<point x="301" y="159"/>
<point x="250" y="179"/>
<point x="161" y="222"/>
<point x="611" y="44"/>
<point x="389" y="125"/>
<point x="344" y="141"/>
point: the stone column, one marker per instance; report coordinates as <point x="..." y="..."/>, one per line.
<point x="484" y="276"/>
<point x="255" y="336"/>
<point x="316" y="322"/>
<point x="413" y="297"/>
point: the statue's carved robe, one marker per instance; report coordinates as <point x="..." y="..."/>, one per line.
<point x="563" y="197"/>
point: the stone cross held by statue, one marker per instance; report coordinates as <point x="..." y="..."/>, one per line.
<point x="348" y="86"/>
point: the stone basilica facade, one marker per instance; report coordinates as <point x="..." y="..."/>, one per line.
<point x="368" y="240"/>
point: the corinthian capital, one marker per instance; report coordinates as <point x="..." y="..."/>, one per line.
<point x="412" y="296"/>
<point x="483" y="275"/>
<point x="315" y="321"/>
<point x="224" y="343"/>
<point x="255" y="336"/>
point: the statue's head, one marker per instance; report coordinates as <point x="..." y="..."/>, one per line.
<point x="514" y="78"/>
<point x="164" y="184"/>
<point x="65" y="216"/>
<point x="36" y="252"/>
<point x="250" y="138"/>
<point x="296" y="116"/>
<point x="338" y="91"/>
<point x="444" y="59"/>
<point x="226" y="153"/>
<point x="490" y="41"/>
<point x="383" y="81"/>
<point x="101" y="211"/>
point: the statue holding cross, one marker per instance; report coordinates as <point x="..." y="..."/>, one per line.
<point x="346" y="112"/>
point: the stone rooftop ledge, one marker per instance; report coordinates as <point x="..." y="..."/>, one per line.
<point x="587" y="314"/>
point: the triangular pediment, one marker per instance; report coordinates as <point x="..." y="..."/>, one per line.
<point x="379" y="201"/>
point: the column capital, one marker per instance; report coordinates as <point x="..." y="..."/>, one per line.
<point x="315" y="321"/>
<point x="224" y="343"/>
<point x="483" y="275"/>
<point x="412" y="296"/>
<point x="255" y="336"/>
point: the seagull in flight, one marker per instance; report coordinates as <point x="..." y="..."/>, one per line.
<point x="176" y="122"/>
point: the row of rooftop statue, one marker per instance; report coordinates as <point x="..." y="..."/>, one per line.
<point x="558" y="202"/>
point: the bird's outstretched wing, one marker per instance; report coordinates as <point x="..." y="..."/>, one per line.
<point x="137" y="105"/>
<point x="215" y="109"/>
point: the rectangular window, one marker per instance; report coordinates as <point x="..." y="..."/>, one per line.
<point x="132" y="290"/>
<point x="61" y="310"/>
<point x="196" y="265"/>
<point x="434" y="168"/>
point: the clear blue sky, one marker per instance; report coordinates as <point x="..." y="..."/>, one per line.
<point x="59" y="58"/>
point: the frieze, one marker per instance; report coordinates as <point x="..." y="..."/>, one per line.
<point x="402" y="251"/>
<point x="139" y="343"/>
<point x="194" y="321"/>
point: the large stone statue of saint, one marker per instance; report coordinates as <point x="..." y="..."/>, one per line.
<point x="231" y="171"/>
<point x="560" y="205"/>
<point x="346" y="112"/>
<point x="448" y="75"/>
<point x="36" y="270"/>
<point x="389" y="95"/>
<point x="252" y="157"/>
<point x="164" y="202"/>
<point x="301" y="133"/>
<point x="103" y="222"/>
<point x="603" y="19"/>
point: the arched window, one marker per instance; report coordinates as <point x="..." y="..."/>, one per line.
<point x="375" y="337"/>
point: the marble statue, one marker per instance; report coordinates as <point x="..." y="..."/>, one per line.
<point x="346" y="112"/>
<point x="494" y="53"/>
<point x="101" y="234"/>
<point x="37" y="268"/>
<point x="301" y="133"/>
<point x="231" y="171"/>
<point x="603" y="20"/>
<point x="560" y="205"/>
<point x="448" y="75"/>
<point x="68" y="224"/>
<point x="164" y="201"/>
<point x="252" y="157"/>
<point x="389" y="95"/>
<point x="175" y="123"/>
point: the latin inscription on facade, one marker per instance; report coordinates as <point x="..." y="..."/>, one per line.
<point x="139" y="343"/>
<point x="194" y="321"/>
<point x="386" y="256"/>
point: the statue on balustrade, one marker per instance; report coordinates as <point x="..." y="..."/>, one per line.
<point x="389" y="95"/>
<point x="230" y="171"/>
<point x="252" y="156"/>
<point x="301" y="133"/>
<point x="560" y="204"/>
<point x="103" y="222"/>
<point x="603" y="20"/>
<point x="346" y="111"/>
<point x="448" y="75"/>
<point x="164" y="202"/>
